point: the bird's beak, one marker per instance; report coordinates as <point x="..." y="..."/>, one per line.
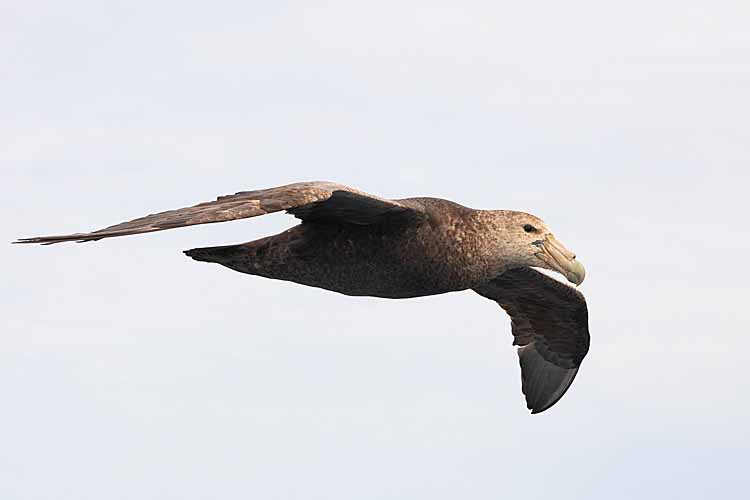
<point x="560" y="259"/>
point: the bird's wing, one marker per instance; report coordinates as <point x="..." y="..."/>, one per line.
<point x="549" y="321"/>
<point x="324" y="202"/>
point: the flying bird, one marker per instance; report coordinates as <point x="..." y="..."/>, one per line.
<point x="355" y="243"/>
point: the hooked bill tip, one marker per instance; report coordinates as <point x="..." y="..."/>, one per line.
<point x="577" y="273"/>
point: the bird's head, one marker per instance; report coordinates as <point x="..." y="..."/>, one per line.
<point x="532" y="243"/>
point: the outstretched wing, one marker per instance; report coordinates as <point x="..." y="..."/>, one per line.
<point x="549" y="322"/>
<point x="323" y="202"/>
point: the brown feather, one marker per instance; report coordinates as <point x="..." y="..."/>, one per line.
<point x="306" y="200"/>
<point x="550" y="324"/>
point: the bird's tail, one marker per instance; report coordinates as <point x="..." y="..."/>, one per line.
<point x="219" y="255"/>
<point x="254" y="257"/>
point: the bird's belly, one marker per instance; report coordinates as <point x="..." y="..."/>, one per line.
<point x="362" y="261"/>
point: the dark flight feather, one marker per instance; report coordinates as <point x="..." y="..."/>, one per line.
<point x="549" y="322"/>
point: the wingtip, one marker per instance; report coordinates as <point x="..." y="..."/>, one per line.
<point x="34" y="241"/>
<point x="22" y="241"/>
<point x="538" y="407"/>
<point x="53" y="240"/>
<point x="543" y="383"/>
<point x="543" y="408"/>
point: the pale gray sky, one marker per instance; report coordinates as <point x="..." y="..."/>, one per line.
<point x="128" y="371"/>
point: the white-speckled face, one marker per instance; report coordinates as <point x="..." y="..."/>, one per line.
<point x="533" y="243"/>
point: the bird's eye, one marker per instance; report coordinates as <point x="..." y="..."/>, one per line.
<point x="529" y="228"/>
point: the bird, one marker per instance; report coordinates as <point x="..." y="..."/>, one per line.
<point x="357" y="244"/>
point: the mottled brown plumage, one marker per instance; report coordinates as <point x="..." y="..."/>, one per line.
<point x="358" y="244"/>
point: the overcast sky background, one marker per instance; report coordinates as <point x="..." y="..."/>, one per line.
<point x="128" y="371"/>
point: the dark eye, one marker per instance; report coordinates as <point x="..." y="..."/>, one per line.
<point x="529" y="228"/>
